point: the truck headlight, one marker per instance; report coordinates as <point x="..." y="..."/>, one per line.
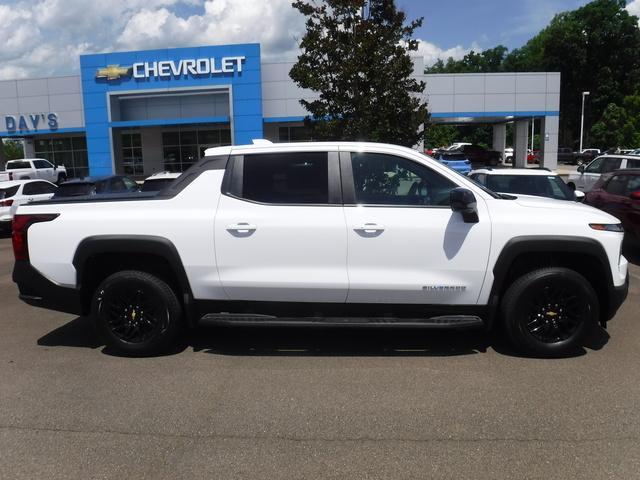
<point x="607" y="227"/>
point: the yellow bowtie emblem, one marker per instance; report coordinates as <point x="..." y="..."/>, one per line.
<point x="113" y="72"/>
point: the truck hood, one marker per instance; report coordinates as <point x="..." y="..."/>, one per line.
<point x="530" y="201"/>
<point x="566" y="207"/>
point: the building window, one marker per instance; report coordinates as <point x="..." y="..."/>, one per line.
<point x="184" y="147"/>
<point x="294" y="134"/>
<point x="68" y="151"/>
<point x="132" y="163"/>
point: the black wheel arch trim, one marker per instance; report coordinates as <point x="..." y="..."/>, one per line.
<point x="132" y="244"/>
<point x="552" y="244"/>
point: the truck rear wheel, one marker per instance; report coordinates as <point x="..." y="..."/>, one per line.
<point x="136" y="313"/>
<point x="549" y="311"/>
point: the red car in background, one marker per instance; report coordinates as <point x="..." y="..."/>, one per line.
<point x="618" y="193"/>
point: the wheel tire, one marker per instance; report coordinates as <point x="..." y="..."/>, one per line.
<point x="61" y="178"/>
<point x="549" y="311"/>
<point x="118" y="313"/>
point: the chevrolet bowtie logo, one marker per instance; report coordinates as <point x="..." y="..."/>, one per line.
<point x="113" y="72"/>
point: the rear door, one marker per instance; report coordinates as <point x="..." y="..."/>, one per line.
<point x="36" y="191"/>
<point x="405" y="244"/>
<point x="280" y="231"/>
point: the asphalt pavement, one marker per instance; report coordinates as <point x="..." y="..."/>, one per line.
<point x="314" y="403"/>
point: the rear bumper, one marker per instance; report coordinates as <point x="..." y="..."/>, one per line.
<point x="38" y="291"/>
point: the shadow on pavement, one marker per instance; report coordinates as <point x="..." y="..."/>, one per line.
<point x="316" y="341"/>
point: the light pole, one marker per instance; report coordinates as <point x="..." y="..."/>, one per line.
<point x="584" y="94"/>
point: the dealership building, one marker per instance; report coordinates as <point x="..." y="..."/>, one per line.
<point x="147" y="111"/>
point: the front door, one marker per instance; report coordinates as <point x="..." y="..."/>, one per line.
<point x="280" y="231"/>
<point x="405" y="244"/>
<point x="595" y="169"/>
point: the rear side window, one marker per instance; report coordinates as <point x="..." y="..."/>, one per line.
<point x="38" y="188"/>
<point x="611" y="164"/>
<point x="617" y="185"/>
<point x="286" y="178"/>
<point x="8" y="192"/>
<point x="633" y="163"/>
<point x="633" y="184"/>
<point x="17" y="165"/>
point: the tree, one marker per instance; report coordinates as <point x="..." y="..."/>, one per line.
<point x="358" y="60"/>
<point x="596" y="48"/>
<point x="619" y="125"/>
<point x="489" y="60"/>
<point x="607" y="132"/>
<point x="13" y="149"/>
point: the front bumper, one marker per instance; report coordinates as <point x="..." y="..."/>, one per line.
<point x="38" y="291"/>
<point x="617" y="296"/>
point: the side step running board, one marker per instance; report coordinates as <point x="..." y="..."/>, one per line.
<point x="444" y="322"/>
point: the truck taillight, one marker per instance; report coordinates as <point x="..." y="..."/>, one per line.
<point x="21" y="224"/>
<point x="6" y="203"/>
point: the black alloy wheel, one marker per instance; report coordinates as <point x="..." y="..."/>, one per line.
<point x="136" y="312"/>
<point x="548" y="312"/>
<point x="555" y="314"/>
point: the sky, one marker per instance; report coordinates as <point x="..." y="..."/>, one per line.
<point x="45" y="37"/>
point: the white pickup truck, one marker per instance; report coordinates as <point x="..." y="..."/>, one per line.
<point x="323" y="234"/>
<point x="32" y="169"/>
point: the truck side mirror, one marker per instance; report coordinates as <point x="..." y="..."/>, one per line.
<point x="464" y="201"/>
<point x="581" y="169"/>
<point x="579" y="195"/>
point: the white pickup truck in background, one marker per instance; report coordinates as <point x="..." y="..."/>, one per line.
<point x="33" y="168"/>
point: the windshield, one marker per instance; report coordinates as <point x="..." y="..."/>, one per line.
<point x="550" y="186"/>
<point x="479" y="185"/>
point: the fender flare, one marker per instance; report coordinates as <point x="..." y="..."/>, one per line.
<point x="546" y="244"/>
<point x="147" y="244"/>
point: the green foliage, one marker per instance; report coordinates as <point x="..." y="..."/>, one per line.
<point x="596" y="48"/>
<point x="619" y="125"/>
<point x="436" y="136"/>
<point x="359" y="63"/>
<point x="13" y="150"/>
<point x="490" y="60"/>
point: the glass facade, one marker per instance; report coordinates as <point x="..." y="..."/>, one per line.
<point x="132" y="162"/>
<point x="183" y="147"/>
<point x="294" y="134"/>
<point x="68" y="151"/>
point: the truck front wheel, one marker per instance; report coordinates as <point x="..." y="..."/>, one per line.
<point x="136" y="313"/>
<point x="548" y="312"/>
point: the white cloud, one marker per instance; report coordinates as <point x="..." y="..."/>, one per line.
<point x="633" y="7"/>
<point x="45" y="37"/>
<point x="432" y="53"/>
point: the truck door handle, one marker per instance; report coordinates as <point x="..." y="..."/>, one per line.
<point x="370" y="228"/>
<point x="241" y="227"/>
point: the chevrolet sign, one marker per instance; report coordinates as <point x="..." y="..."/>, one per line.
<point x="195" y="67"/>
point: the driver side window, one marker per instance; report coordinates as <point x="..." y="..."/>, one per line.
<point x="381" y="179"/>
<point x="595" y="166"/>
